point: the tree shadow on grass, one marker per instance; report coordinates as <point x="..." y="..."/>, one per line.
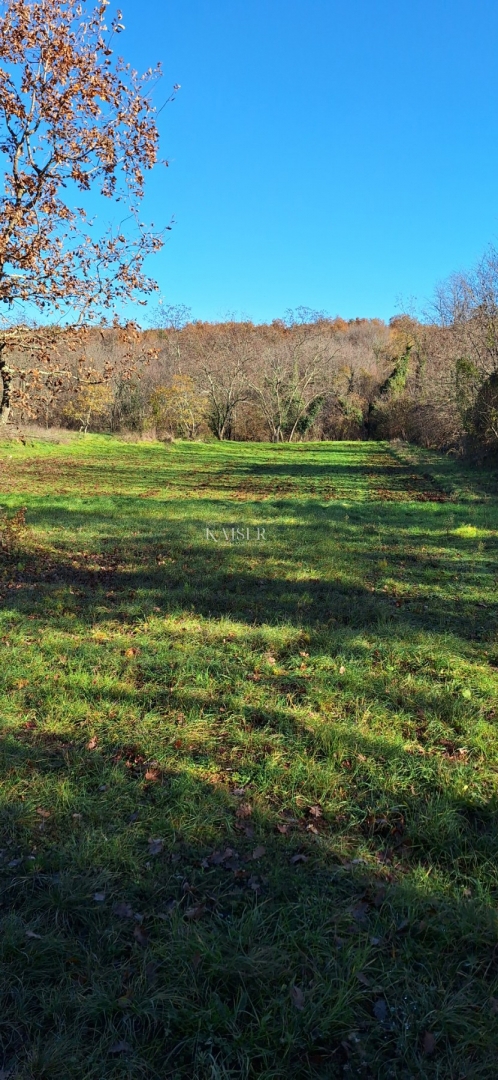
<point x="179" y="567"/>
<point x="171" y="919"/>
<point x="160" y="925"/>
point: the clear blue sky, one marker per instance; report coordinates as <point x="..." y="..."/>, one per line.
<point x="338" y="155"/>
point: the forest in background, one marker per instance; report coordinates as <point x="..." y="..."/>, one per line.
<point x="433" y="382"/>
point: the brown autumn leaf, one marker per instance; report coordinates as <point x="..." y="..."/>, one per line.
<point x="258" y="852"/>
<point x="153" y="775"/>
<point x="195" y="912"/>
<point x="342" y="670"/>
<point x="284" y="829"/>
<point x="297" y="997"/>
<point x="132" y="652"/>
<point x="43" y="813"/>
<point x="92" y="743"/>
<point x="428" y="1043"/>
<point x="244" y="810"/>
<point x="315" y="811"/>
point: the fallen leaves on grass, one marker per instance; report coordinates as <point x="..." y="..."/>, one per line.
<point x="299" y="858"/>
<point x="120" y="1047"/>
<point x="153" y="775"/>
<point x="156" y="846"/>
<point x="244" y="810"/>
<point x="297" y="997"/>
<point x="258" y="852"/>
<point x="92" y="743"/>
<point x="123" y="911"/>
<point x="43" y="813"/>
<point x="195" y="912"/>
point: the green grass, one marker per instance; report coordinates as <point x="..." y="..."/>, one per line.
<point x="249" y="789"/>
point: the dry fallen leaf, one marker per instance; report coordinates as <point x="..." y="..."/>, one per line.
<point x="299" y="858"/>
<point x="244" y="810"/>
<point x="92" y="743"/>
<point x="43" y="813"/>
<point x="195" y="912"/>
<point x="123" y="911"/>
<point x="156" y="846"/>
<point x="428" y="1043"/>
<point x="363" y="979"/>
<point x="153" y="775"/>
<point x="31" y="934"/>
<point x="259" y="851"/>
<point x="316" y="811"/>
<point x="342" y="670"/>
<point x="297" y="997"/>
<point x="121" y="1047"/>
<point x="380" y="1010"/>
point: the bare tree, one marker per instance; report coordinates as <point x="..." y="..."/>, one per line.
<point x="222" y="356"/>
<point x="289" y="381"/>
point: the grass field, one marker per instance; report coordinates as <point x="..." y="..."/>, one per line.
<point x="249" y="780"/>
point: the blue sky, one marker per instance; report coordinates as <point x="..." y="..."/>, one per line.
<point x="339" y="155"/>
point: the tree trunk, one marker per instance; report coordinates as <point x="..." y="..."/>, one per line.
<point x="6" y="379"/>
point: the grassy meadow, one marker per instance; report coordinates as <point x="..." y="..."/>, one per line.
<point x="248" y="820"/>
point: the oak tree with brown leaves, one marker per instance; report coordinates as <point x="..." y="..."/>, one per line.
<point x="74" y="119"/>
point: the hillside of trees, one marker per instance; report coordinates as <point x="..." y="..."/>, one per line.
<point x="308" y="376"/>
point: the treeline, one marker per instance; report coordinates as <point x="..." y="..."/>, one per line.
<point x="432" y="381"/>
